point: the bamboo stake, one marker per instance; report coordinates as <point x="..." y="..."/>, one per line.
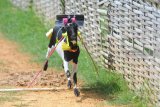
<point x="30" y="89"/>
<point x="37" y="89"/>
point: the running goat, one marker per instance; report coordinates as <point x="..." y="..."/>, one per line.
<point x="67" y="48"/>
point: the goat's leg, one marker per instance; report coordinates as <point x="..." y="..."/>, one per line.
<point x="66" y="69"/>
<point x="50" y="46"/>
<point x="47" y="55"/>
<point x="48" y="51"/>
<point x="53" y="34"/>
<point x="74" y="68"/>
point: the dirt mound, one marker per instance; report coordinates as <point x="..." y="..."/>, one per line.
<point x="23" y="79"/>
<point x="17" y="70"/>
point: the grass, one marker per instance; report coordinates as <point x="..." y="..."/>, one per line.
<point x="25" y="28"/>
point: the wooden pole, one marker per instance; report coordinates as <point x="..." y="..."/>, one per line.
<point x="30" y="89"/>
<point x="37" y="89"/>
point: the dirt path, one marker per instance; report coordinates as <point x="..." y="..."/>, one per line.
<point x="16" y="71"/>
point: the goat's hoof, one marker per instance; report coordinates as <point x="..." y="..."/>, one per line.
<point x="76" y="92"/>
<point x="69" y="84"/>
<point x="45" y="66"/>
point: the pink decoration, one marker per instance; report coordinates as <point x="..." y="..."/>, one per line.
<point x="65" y="21"/>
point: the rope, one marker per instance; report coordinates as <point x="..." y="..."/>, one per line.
<point x="45" y="64"/>
<point x="96" y="69"/>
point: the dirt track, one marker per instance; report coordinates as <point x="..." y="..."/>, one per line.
<point x="16" y="71"/>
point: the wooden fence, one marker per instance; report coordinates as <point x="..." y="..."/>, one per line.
<point x="47" y="9"/>
<point x="23" y="4"/>
<point x="123" y="35"/>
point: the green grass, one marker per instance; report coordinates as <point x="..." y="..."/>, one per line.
<point x="28" y="31"/>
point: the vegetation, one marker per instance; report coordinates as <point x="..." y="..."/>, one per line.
<point x="26" y="29"/>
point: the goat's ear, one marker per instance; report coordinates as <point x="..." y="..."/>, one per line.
<point x="65" y="21"/>
<point x="73" y="20"/>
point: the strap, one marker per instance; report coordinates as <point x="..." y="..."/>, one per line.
<point x="65" y="36"/>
